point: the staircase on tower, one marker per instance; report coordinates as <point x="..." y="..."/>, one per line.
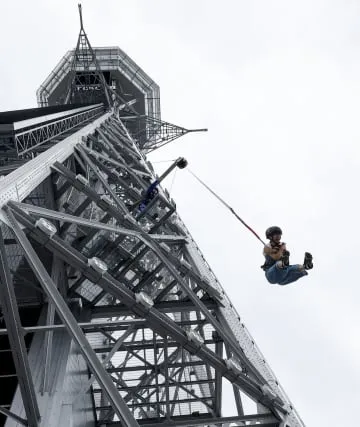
<point x="110" y="314"/>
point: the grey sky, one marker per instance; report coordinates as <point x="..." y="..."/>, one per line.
<point x="278" y="85"/>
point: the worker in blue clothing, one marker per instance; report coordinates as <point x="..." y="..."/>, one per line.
<point x="277" y="264"/>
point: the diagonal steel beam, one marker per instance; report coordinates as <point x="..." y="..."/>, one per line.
<point x="120" y="204"/>
<point x="108" y="414"/>
<point x="115" y="348"/>
<point x="166" y="369"/>
<point x="48" y="340"/>
<point x="236" y="391"/>
<point x="173" y="406"/>
<point x="151" y="386"/>
<point x="88" y="326"/>
<point x="163" y="306"/>
<point x="16" y="338"/>
<point x="112" y="143"/>
<point x="61" y="216"/>
<point x="119" y="380"/>
<point x="218" y="381"/>
<point x="73" y="328"/>
<point x="15" y="417"/>
<point x="114" y="174"/>
<point x="85" y="152"/>
<point x="141" y="368"/>
<point x="205" y="421"/>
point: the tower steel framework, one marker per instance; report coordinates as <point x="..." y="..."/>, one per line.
<point x="110" y="315"/>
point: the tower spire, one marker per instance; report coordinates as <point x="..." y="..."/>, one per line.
<point x="87" y="83"/>
<point x="81" y="20"/>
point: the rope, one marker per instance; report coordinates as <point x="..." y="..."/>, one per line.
<point x="228" y="206"/>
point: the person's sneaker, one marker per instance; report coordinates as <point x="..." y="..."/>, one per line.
<point x="308" y="264"/>
<point x="286" y="258"/>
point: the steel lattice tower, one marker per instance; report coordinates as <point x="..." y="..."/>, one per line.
<point x="110" y="315"/>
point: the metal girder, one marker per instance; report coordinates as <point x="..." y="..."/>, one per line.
<point x="134" y="195"/>
<point x="145" y="402"/>
<point x="56" y="276"/>
<point x="148" y="278"/>
<point x="65" y="314"/>
<point x="142" y="345"/>
<point x="218" y="380"/>
<point x="48" y="347"/>
<point x="92" y="232"/>
<point x="114" y="349"/>
<point x="120" y="204"/>
<point x="120" y="163"/>
<point x="135" y="391"/>
<point x="146" y="378"/>
<point x="16" y="339"/>
<point x="29" y="140"/>
<point x="48" y="213"/>
<point x="166" y="291"/>
<point x="15" y="417"/>
<point x="237" y="396"/>
<point x="150" y="386"/>
<point x="141" y="368"/>
<point x="80" y="162"/>
<point x="176" y="394"/>
<point x="203" y="400"/>
<point x="80" y="209"/>
<point x="167" y="382"/>
<point x="201" y="420"/>
<point x="108" y="137"/>
<point x="120" y="143"/>
<point x="88" y="326"/>
<point x="113" y="174"/>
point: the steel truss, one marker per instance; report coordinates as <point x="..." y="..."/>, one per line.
<point x="151" y="133"/>
<point x="87" y="83"/>
<point x="29" y="141"/>
<point x="160" y="321"/>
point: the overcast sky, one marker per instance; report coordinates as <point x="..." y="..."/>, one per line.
<point x="278" y="85"/>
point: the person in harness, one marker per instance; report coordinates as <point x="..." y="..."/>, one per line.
<point x="277" y="260"/>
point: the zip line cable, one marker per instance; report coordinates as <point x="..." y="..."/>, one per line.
<point x="228" y="206"/>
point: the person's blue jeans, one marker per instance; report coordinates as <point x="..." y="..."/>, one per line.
<point x="284" y="276"/>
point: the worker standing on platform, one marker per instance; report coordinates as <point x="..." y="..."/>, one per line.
<point x="277" y="266"/>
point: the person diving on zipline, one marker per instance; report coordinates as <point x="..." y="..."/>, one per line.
<point x="277" y="260"/>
